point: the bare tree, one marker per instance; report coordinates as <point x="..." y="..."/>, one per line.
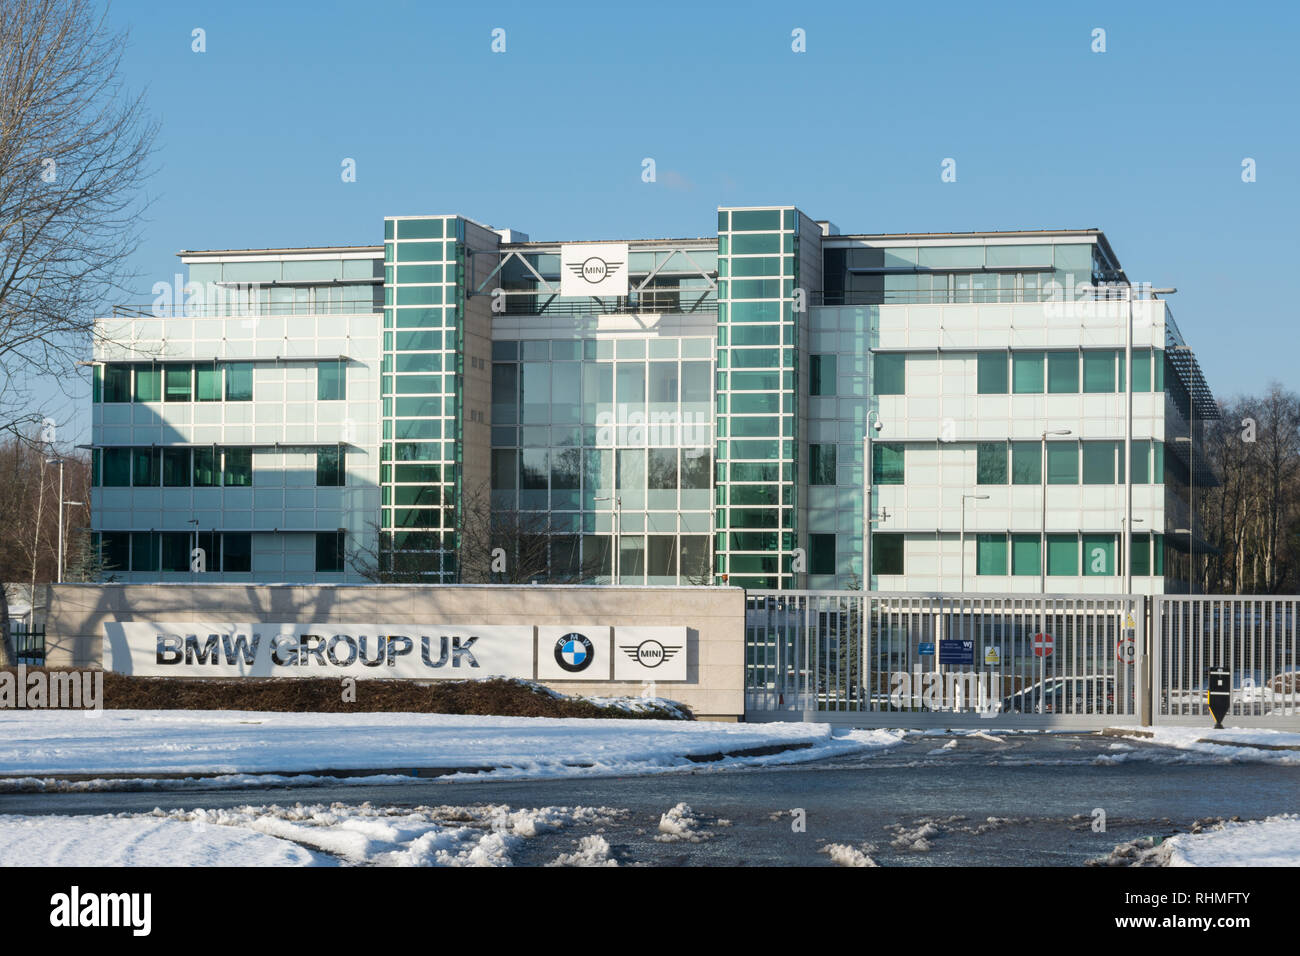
<point x="74" y="153"/>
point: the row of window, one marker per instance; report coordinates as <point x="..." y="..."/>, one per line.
<point x="1065" y="372"/>
<point x="222" y="550"/>
<point x="1068" y="555"/>
<point x="200" y="382"/>
<point x="202" y="467"/>
<point x="1016" y="463"/>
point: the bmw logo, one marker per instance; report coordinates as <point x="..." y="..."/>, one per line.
<point x="574" y="653"/>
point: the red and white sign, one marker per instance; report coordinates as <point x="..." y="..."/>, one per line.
<point x="1127" y="650"/>
<point x="1042" y="645"/>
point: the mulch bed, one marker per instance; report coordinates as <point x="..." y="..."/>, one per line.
<point x="496" y="697"/>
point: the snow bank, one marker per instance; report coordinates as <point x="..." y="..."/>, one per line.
<point x="1191" y="739"/>
<point x="38" y="743"/>
<point x="1274" y="841"/>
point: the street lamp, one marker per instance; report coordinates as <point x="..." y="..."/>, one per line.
<point x="59" y="550"/>
<point x="963" y="535"/>
<point x="866" y="496"/>
<point x="1042" y="535"/>
<point x="618" y="521"/>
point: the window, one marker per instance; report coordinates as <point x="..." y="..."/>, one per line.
<point x="148" y="384"/>
<point x="145" y="471"/>
<point x="1099" y="555"/>
<point x="1026" y="463"/>
<point x="886" y="553"/>
<point x="889" y="373"/>
<point x="821" y="559"/>
<point x="205" y="468"/>
<point x="176" y="550"/>
<point x="177" y="379"/>
<point x="117" y="383"/>
<point x="238" y="467"/>
<point x="821" y="464"/>
<point x="236" y="552"/>
<point x="239" y="382"/>
<point x="1099" y="462"/>
<point x="887" y="464"/>
<point x="331" y="382"/>
<point x="1141" y="370"/>
<point x="1062" y="372"/>
<point x="117" y="467"/>
<point x="176" y="467"/>
<point x="1027" y="372"/>
<point x="330" y="469"/>
<point x="114" y="550"/>
<point x="329" y="551"/>
<point x="1141" y="461"/>
<point x="1024" y="554"/>
<point x="1099" y="371"/>
<point x="990" y="554"/>
<point x="1062" y="555"/>
<point x="1062" y="463"/>
<point x="991" y="373"/>
<point x="1140" y="555"/>
<point x="144" y="550"/>
<point x="821" y="375"/>
<point x="207" y="383"/>
<point x="991" y="463"/>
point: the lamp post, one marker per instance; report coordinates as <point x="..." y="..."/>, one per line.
<point x="963" y="535"/>
<point x="1042" y="534"/>
<point x="618" y="521"/>
<point x="58" y="577"/>
<point x="873" y="423"/>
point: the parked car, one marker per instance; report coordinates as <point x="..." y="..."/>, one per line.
<point x="1064" y="695"/>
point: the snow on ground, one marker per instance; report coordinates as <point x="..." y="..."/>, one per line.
<point x="843" y="854"/>
<point x="301" y="835"/>
<point x="1274" y="841"/>
<point x="38" y="743"/>
<point x="139" y="841"/>
<point x="1189" y="738"/>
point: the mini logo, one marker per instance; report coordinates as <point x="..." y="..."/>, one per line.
<point x="594" y="269"/>
<point x="574" y="652"/>
<point x="650" y="653"/>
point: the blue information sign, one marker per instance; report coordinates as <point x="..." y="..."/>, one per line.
<point x="956" y="652"/>
<point x="926" y="649"/>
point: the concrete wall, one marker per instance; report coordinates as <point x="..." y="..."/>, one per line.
<point x="715" y="618"/>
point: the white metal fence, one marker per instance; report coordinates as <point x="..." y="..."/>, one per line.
<point x="1254" y="637"/>
<point x="924" y="659"/>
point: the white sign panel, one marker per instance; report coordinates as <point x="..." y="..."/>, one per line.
<point x="573" y="652"/>
<point x="593" y="268"/>
<point x="224" y="649"/>
<point x="650" y="653"/>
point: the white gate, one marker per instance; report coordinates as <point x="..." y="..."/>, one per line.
<point x="927" y="660"/>
<point x="1253" y="637"/>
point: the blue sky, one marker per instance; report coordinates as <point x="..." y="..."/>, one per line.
<point x="1144" y="141"/>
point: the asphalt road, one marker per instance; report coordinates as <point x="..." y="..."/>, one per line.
<point x="1040" y="789"/>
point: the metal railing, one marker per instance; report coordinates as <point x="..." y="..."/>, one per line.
<point x="237" y="310"/>
<point x="914" y="655"/>
<point x="1254" y="637"/>
<point x="29" y="645"/>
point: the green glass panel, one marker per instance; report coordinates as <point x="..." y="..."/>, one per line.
<point x="178" y="382"/>
<point x="1140" y="555"/>
<point x="1026" y="463"/>
<point x="886" y="553"/>
<point x="239" y="382"/>
<point x="1099" y="555"/>
<point x="755" y="220"/>
<point x="821" y="464"/>
<point x="1062" y="555"/>
<point x="1062" y="372"/>
<point x="1024" y="554"/>
<point x="991" y="554"/>
<point x="1099" y="462"/>
<point x="1062" y="463"/>
<point x="992" y="373"/>
<point x="419" y="228"/>
<point x="889" y="373"/>
<point x="207" y="383"/>
<point x="1099" y="371"/>
<point x="1027" y="372"/>
<point x="148" y="383"/>
<point x="991" y="463"/>
<point x="1141" y="370"/>
<point x="887" y="463"/>
<point x="238" y="467"/>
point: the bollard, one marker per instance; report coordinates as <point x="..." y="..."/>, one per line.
<point x="1220" y="694"/>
